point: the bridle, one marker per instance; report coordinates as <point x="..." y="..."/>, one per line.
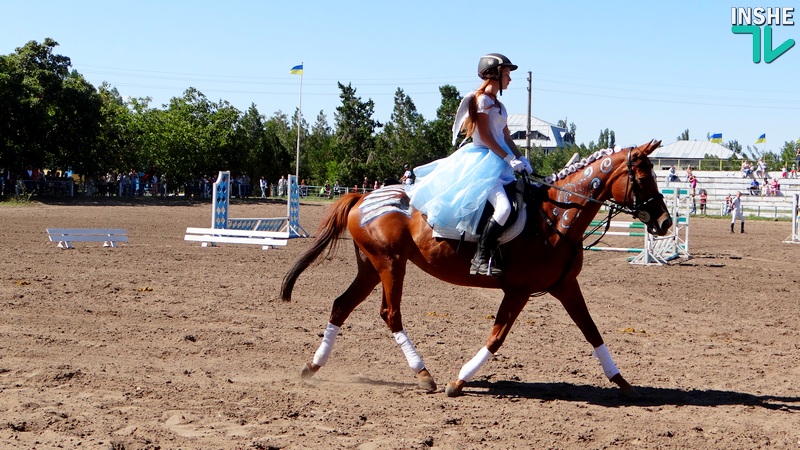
<point x="639" y="208"/>
<point x="633" y="190"/>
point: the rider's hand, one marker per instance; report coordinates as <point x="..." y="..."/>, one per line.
<point x="517" y="165"/>
<point x="527" y="164"/>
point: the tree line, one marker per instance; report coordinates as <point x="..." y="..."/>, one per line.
<point x="53" y="118"/>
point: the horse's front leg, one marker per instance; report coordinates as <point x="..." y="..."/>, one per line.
<point x="568" y="292"/>
<point x="508" y="312"/>
<point x="392" y="279"/>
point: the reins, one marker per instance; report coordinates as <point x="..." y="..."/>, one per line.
<point x="614" y="208"/>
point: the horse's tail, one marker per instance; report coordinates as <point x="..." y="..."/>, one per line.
<point x="333" y="225"/>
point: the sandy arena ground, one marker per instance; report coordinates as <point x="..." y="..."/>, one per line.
<point x="162" y="344"/>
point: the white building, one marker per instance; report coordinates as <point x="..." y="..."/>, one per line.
<point x="688" y="153"/>
<point x="543" y="134"/>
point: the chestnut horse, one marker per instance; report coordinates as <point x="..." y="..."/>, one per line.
<point x="545" y="257"/>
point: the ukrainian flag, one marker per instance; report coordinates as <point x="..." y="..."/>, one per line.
<point x="297" y="70"/>
<point x="716" y="137"/>
<point x="762" y="139"/>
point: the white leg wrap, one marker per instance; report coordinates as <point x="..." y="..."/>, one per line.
<point x="471" y="367"/>
<point x="413" y="358"/>
<point x="609" y="368"/>
<point x="328" y="339"/>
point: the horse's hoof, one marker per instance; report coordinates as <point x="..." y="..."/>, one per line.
<point x="454" y="389"/>
<point x="425" y="381"/>
<point x="309" y="370"/>
<point x="626" y="390"/>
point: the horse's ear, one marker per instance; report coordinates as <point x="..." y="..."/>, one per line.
<point x="650" y="147"/>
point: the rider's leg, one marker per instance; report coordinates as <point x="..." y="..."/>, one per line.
<point x="483" y="263"/>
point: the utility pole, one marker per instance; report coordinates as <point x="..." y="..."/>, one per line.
<point x="528" y="129"/>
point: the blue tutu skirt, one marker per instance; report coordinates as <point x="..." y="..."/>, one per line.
<point x="452" y="191"/>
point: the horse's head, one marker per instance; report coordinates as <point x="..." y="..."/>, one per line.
<point x="639" y="191"/>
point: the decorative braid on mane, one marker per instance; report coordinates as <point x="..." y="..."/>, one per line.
<point x="574" y="167"/>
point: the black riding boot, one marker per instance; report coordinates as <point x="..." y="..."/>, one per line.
<point x="483" y="263"/>
<point x="731" y="227"/>
<point x="742" y="226"/>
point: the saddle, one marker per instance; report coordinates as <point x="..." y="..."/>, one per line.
<point x="521" y="194"/>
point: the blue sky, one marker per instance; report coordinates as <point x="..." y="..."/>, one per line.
<point x="643" y="69"/>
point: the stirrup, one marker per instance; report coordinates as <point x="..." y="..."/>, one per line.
<point x="486" y="268"/>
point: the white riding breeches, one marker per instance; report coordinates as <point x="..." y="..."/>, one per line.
<point x="499" y="199"/>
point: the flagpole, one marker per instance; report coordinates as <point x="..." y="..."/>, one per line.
<point x="299" y="110"/>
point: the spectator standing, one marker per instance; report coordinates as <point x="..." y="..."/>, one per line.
<point x="761" y="169"/>
<point x="794" y="171"/>
<point x="798" y="156"/>
<point x="736" y="210"/>
<point x="364" y="185"/>
<point x="784" y="173"/>
<point x="336" y="188"/>
<point x="727" y="209"/>
<point x="282" y="186"/>
<point x="703" y="200"/>
<point x="408" y="176"/>
<point x="263" y="183"/>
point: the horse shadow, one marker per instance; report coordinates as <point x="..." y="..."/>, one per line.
<point x="610" y="397"/>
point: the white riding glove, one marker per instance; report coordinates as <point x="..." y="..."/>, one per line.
<point x="528" y="167"/>
<point x="515" y="164"/>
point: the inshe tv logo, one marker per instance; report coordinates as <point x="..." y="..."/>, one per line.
<point x="750" y="20"/>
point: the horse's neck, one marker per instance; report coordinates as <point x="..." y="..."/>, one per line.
<point x="573" y="220"/>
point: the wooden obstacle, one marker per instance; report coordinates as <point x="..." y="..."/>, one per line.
<point x="212" y="236"/>
<point x="221" y="206"/>
<point x="65" y="236"/>
<point x="656" y="250"/>
<point x="267" y="232"/>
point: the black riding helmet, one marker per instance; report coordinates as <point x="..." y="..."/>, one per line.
<point x="490" y="64"/>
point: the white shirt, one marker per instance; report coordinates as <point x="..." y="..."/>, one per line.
<point x="498" y="119"/>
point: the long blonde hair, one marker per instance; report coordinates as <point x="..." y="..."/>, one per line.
<point x="468" y="128"/>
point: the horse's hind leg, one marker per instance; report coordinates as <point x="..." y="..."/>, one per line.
<point x="365" y="281"/>
<point x="392" y="278"/>
<point x="570" y="295"/>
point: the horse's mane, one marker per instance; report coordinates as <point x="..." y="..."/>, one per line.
<point x="576" y="166"/>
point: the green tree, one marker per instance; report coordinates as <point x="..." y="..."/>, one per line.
<point x="438" y="132"/>
<point x="399" y="141"/>
<point x="684" y="136"/>
<point x="355" y="135"/>
<point x="50" y="117"/>
<point x="788" y="155"/>
<point x="318" y="149"/>
<point x="607" y="139"/>
<point x="734" y="146"/>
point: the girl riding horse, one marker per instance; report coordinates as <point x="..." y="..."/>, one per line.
<point x="387" y="234"/>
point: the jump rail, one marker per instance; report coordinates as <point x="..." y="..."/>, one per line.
<point x="211" y="236"/>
